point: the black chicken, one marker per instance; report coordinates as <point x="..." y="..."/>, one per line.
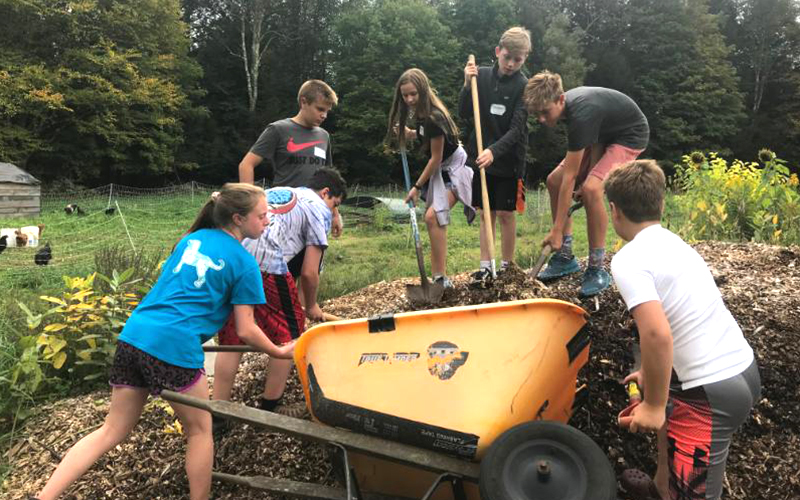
<point x="43" y="256"/>
<point x="3" y="243"/>
<point x="110" y="210"/>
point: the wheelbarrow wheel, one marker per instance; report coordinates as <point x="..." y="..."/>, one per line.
<point x="544" y="460"/>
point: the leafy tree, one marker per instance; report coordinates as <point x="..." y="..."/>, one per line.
<point x="478" y="24"/>
<point x="682" y="79"/>
<point x="377" y="42"/>
<point x="110" y="81"/>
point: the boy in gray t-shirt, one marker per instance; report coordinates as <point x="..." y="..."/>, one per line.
<point x="297" y="147"/>
<point x="605" y="129"/>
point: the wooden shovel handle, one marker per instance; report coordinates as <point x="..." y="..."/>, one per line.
<point x="487" y="216"/>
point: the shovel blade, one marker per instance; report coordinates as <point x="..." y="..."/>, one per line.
<point x="425" y="295"/>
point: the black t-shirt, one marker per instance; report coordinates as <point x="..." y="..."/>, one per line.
<point x="606" y="116"/>
<point x="429" y="128"/>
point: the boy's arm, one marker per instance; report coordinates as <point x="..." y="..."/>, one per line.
<point x="572" y="164"/>
<point x="516" y="133"/>
<point x="248" y="166"/>
<point x="655" y="337"/>
<point x="265" y="147"/>
<point x="251" y="334"/>
<point x="465" y="96"/>
<point x="309" y="281"/>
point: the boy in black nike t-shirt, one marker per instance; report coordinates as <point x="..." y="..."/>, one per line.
<point x="296" y="147"/>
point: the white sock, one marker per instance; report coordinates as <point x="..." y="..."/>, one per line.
<point x="504" y="264"/>
<point x="486" y="264"/>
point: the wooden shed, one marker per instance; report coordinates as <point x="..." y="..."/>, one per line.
<point x="20" y="192"/>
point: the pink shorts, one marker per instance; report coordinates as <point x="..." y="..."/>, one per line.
<point x="613" y="156"/>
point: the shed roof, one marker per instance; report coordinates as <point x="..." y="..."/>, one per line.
<point x="14" y="174"/>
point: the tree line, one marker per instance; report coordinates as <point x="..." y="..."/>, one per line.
<point x="159" y="91"/>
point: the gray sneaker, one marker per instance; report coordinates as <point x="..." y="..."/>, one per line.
<point x="444" y="281"/>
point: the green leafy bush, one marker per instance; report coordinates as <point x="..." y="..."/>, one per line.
<point x="737" y="201"/>
<point x="79" y="334"/>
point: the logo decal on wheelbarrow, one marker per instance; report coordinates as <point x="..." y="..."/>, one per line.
<point x="444" y="359"/>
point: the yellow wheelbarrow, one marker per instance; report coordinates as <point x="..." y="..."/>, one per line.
<point x="473" y="397"/>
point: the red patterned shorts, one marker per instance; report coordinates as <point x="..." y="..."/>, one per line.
<point x="282" y="318"/>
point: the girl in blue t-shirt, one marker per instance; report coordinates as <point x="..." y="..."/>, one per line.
<point x="208" y="275"/>
<point x="445" y="178"/>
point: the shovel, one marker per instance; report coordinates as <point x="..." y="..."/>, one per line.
<point x="427" y="292"/>
<point x="487" y="216"/>
<point x="547" y="249"/>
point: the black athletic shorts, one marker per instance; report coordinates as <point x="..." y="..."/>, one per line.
<point x="502" y="192"/>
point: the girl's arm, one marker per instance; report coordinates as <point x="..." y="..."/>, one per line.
<point x="437" y="150"/>
<point x="251" y="334"/>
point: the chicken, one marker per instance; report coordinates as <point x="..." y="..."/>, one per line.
<point x="3" y="243"/>
<point x="110" y="210"/>
<point x="43" y="256"/>
<point x="73" y="208"/>
<point x="22" y="238"/>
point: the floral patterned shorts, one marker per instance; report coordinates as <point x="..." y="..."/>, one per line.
<point x="135" y="368"/>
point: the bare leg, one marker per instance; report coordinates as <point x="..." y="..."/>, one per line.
<point x="225" y="368"/>
<point x="277" y="374"/>
<point x="553" y="187"/>
<point x="438" y="236"/>
<point x="126" y="408"/>
<point x="508" y="230"/>
<point x="662" y="470"/>
<point x="596" y="216"/>
<point x="199" y="442"/>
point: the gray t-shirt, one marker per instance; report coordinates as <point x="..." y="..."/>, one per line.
<point x="605" y="116"/>
<point x="294" y="152"/>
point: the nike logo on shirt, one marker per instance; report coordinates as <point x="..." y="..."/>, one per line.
<point x="294" y="148"/>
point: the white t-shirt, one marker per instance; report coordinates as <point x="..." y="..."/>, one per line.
<point x="302" y="224"/>
<point x="708" y="345"/>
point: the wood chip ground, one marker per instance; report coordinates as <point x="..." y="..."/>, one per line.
<point x="760" y="285"/>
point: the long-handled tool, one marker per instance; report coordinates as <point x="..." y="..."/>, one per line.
<point x="426" y="292"/>
<point x="487" y="216"/>
<point x="547" y="249"/>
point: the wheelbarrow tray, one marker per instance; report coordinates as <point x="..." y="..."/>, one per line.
<point x="448" y="380"/>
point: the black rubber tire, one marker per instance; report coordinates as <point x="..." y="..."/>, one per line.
<point x="577" y="468"/>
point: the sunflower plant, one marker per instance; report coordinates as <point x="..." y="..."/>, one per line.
<point x="742" y="201"/>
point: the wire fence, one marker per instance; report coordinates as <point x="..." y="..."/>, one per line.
<point x="149" y="220"/>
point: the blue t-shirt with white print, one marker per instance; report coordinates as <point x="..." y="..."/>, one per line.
<point x="207" y="274"/>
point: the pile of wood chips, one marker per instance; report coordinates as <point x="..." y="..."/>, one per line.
<point x="760" y="285"/>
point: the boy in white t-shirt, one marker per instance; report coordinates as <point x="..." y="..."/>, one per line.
<point x="699" y="376"/>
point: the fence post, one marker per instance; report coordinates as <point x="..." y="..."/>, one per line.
<point x="192" y="193"/>
<point x="110" y="192"/>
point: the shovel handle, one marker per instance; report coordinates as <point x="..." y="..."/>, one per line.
<point x="487" y="216"/>
<point x="547" y="248"/>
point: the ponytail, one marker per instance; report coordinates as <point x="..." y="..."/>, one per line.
<point x="233" y="198"/>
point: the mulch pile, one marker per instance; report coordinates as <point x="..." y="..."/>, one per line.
<point x="760" y="285"/>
